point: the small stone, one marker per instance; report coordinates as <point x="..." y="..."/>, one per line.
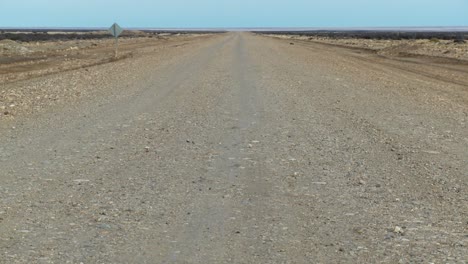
<point x="104" y="226"/>
<point x="80" y="180"/>
<point x="398" y="230"/>
<point x="389" y="236"/>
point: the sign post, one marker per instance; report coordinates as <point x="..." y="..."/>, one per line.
<point x="115" y="31"/>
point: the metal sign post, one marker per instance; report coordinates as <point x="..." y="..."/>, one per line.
<point x="116" y="30"/>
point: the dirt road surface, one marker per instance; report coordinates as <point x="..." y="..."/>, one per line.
<point x="240" y="148"/>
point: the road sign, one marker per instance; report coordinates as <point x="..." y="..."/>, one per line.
<point x="115" y="30"/>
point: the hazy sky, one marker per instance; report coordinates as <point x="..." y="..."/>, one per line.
<point x="233" y="13"/>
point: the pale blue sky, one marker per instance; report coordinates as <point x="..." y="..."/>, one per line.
<point x="233" y="13"/>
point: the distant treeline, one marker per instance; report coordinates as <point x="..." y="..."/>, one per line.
<point x="390" y="35"/>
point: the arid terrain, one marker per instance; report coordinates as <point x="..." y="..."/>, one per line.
<point x="433" y="47"/>
<point x="233" y="148"/>
<point x="30" y="59"/>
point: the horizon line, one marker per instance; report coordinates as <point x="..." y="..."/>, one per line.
<point x="379" y="28"/>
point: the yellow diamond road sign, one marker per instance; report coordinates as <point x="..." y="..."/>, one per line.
<point x="115" y="30"/>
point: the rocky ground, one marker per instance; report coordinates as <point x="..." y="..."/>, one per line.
<point x="22" y="61"/>
<point x="396" y="48"/>
<point x="237" y="148"/>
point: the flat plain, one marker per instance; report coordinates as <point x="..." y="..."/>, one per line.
<point x="231" y="148"/>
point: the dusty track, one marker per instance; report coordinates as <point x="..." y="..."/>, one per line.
<point x="240" y="148"/>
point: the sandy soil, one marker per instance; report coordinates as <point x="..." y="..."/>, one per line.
<point x="28" y="60"/>
<point x="402" y="48"/>
<point x="238" y="148"/>
<point x="22" y="60"/>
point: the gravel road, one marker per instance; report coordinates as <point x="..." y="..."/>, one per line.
<point x="240" y="148"/>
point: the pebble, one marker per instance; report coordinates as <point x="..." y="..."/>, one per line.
<point x="398" y="230"/>
<point x="389" y="235"/>
<point x="80" y="180"/>
<point x="104" y="226"/>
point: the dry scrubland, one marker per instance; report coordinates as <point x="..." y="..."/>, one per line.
<point x="400" y="48"/>
<point x="26" y="55"/>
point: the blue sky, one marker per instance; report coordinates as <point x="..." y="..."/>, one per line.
<point x="233" y="13"/>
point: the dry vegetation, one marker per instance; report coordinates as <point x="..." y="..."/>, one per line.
<point x="428" y="46"/>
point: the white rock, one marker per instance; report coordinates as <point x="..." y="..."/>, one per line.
<point x="398" y="230"/>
